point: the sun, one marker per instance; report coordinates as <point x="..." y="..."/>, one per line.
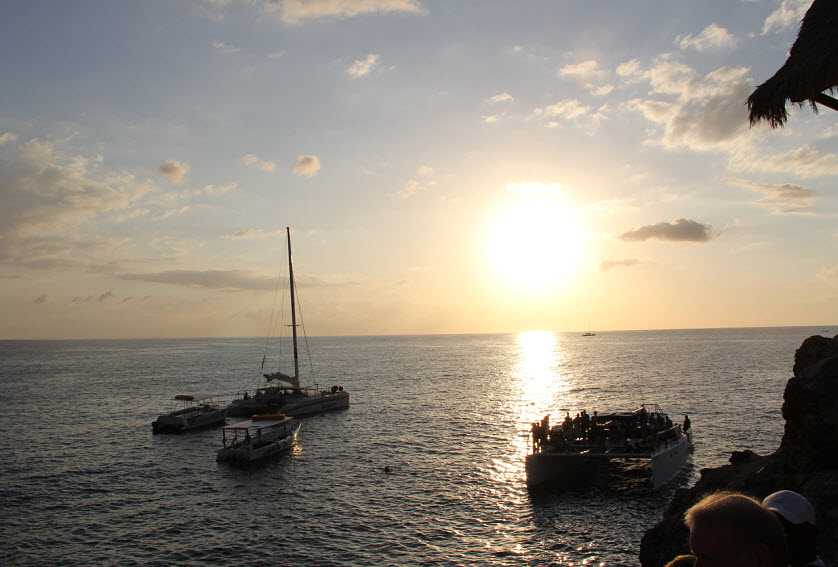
<point x="534" y="239"/>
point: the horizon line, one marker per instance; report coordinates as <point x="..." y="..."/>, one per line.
<point x="429" y="334"/>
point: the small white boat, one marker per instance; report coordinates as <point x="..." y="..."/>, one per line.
<point x="257" y="438"/>
<point x="580" y="450"/>
<point x="190" y="413"/>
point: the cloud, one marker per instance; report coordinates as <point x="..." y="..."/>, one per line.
<point x="501" y="97"/>
<point x="491" y="118"/>
<point x="174" y="171"/>
<point x="254" y="234"/>
<point x="785" y="198"/>
<point x="606" y="265"/>
<point x="80" y="299"/>
<point x="363" y="67"/>
<point x="713" y="36"/>
<point x="214" y="189"/>
<point x="586" y="71"/>
<point x="805" y="162"/>
<point x="567" y="109"/>
<point x="276" y="55"/>
<point x="706" y="113"/>
<point x="106" y="296"/>
<point x="40" y="299"/>
<point x="6" y="137"/>
<point x="49" y="198"/>
<point x="230" y="280"/>
<point x="681" y="230"/>
<point x="421" y="181"/>
<point x="630" y="70"/>
<point x="590" y="75"/>
<point x="250" y="160"/>
<point x="307" y="165"/>
<point x="225" y="48"/>
<point x="786" y="15"/>
<point x="297" y="12"/>
<point x="602" y="90"/>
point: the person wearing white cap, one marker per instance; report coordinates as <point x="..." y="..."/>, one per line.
<point x="798" y="518"/>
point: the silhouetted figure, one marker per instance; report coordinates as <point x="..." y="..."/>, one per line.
<point x="728" y="528"/>
<point x="797" y="515"/>
<point x="687" y="423"/>
<point x="387" y="469"/>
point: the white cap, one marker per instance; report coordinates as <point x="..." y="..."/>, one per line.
<point x="792" y="506"/>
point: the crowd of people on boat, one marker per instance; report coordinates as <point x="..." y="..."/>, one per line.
<point x="732" y="529"/>
<point x="639" y="430"/>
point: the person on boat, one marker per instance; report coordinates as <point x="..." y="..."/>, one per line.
<point x="686" y="423"/>
<point x="729" y="529"/>
<point x="797" y="515"/>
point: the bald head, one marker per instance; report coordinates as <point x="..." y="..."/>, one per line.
<point x="727" y="528"/>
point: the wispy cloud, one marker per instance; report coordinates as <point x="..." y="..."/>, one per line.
<point x="230" y="280"/>
<point x="224" y="47"/>
<point x="307" y="165"/>
<point x="787" y="14"/>
<point x="712" y="37"/>
<point x="250" y="160"/>
<point x="606" y="265"/>
<point x="681" y="230"/>
<point x="40" y="299"/>
<point x="590" y="75"/>
<point x="421" y="181"/>
<point x="297" y="12"/>
<point x="254" y="234"/>
<point x="106" y="296"/>
<point x="362" y="67"/>
<point x="6" y="137"/>
<point x="785" y="198"/>
<point x="500" y="97"/>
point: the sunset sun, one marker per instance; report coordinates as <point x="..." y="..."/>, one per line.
<point x="535" y="240"/>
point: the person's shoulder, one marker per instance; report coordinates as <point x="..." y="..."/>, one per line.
<point x="816" y="563"/>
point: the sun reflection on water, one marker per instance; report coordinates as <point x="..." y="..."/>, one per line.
<point x="539" y="380"/>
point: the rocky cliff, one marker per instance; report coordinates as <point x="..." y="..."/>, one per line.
<point x="806" y="461"/>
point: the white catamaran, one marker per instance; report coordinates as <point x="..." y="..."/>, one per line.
<point x="286" y="395"/>
<point x="579" y="450"/>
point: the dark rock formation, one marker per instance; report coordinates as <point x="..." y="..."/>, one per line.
<point x="806" y="461"/>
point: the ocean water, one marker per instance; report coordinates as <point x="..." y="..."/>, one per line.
<point x="84" y="482"/>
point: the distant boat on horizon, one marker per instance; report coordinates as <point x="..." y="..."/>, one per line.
<point x="589" y="334"/>
<point x="287" y="396"/>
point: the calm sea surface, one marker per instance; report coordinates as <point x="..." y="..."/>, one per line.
<point x="84" y="482"/>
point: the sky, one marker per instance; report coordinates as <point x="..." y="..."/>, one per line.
<point x="445" y="167"/>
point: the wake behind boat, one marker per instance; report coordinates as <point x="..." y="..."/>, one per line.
<point x="286" y="395"/>
<point x="581" y="449"/>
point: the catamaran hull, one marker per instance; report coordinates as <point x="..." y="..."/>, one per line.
<point x="669" y="461"/>
<point x="181" y="424"/>
<point x="301" y="408"/>
<point x="563" y="469"/>
<point x="569" y="469"/>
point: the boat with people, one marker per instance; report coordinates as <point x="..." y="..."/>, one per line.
<point x="283" y="392"/>
<point x="583" y="448"/>
<point x="257" y="438"/>
<point x="189" y="414"/>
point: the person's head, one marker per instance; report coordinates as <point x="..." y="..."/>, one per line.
<point x="730" y="529"/>
<point x="797" y="515"/>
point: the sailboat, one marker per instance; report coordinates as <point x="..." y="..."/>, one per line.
<point x="283" y="393"/>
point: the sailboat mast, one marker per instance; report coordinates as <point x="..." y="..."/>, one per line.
<point x="293" y="308"/>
